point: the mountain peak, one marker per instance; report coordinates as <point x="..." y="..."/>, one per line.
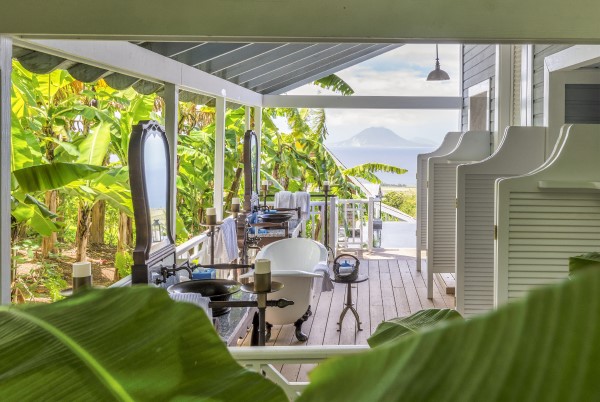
<point x="378" y="137"/>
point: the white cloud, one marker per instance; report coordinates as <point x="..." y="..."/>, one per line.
<point x="400" y="72"/>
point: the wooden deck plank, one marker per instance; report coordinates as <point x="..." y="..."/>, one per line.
<point x="414" y="302"/>
<point x="363" y="305"/>
<point x="376" y="303"/>
<point x="387" y="292"/>
<point x="402" y="306"/>
<point x="448" y="298"/>
<point x="331" y="333"/>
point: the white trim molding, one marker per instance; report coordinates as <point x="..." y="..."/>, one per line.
<point x="503" y="91"/>
<point x="527" y="85"/>
<point x="363" y="102"/>
<point x="560" y="69"/>
<point x="5" y="174"/>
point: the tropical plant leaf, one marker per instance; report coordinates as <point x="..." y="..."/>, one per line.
<point x="541" y="348"/>
<point x="582" y="262"/>
<point x="367" y="170"/>
<point x="54" y="175"/>
<point x="41" y="223"/>
<point x="334" y="83"/>
<point x="393" y="329"/>
<point x="127" y="344"/>
<point x="94" y="147"/>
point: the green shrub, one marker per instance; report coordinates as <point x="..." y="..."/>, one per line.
<point x="405" y="201"/>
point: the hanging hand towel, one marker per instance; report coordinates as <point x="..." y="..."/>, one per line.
<point x="302" y="200"/>
<point x="283" y="199"/>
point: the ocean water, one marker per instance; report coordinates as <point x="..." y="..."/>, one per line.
<point x="405" y="158"/>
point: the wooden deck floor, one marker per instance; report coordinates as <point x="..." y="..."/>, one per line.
<point x="394" y="289"/>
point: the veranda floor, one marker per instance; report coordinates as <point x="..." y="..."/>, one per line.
<point x="394" y="289"/>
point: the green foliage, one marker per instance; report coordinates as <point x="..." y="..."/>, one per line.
<point x="367" y="171"/>
<point x="123" y="263"/>
<point x="543" y="347"/>
<point x="334" y="83"/>
<point x="405" y="201"/>
<point x="584" y="262"/>
<point x="391" y="330"/>
<point x="126" y="344"/>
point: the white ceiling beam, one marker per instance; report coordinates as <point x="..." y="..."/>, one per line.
<point x="573" y="58"/>
<point x="127" y="58"/>
<point x="363" y="102"/>
<point x="377" y="21"/>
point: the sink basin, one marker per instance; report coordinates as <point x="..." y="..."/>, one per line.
<point x="215" y="289"/>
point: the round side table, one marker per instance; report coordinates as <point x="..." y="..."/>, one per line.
<point x="349" y="305"/>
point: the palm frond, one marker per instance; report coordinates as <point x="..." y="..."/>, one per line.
<point x="335" y="84"/>
<point x="367" y="170"/>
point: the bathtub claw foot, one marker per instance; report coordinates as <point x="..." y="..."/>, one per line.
<point x="268" y="333"/>
<point x="301" y="336"/>
<point x="307" y="314"/>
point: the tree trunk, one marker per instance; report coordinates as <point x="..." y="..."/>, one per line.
<point x="125" y="235"/>
<point x="98" y="219"/>
<point x="83" y="231"/>
<point x="49" y="242"/>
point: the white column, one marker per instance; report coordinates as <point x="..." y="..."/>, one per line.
<point x="219" y="168"/>
<point x="258" y="131"/>
<point x="370" y="214"/>
<point x="527" y="85"/>
<point x="502" y="92"/>
<point x="248" y="115"/>
<point x="171" y="97"/>
<point x="5" y="156"/>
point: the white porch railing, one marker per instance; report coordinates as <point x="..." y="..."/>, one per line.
<point x="263" y="358"/>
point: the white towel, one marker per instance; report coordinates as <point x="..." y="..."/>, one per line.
<point x="326" y="284"/>
<point x="283" y="199"/>
<point x="193" y="298"/>
<point x="302" y="200"/>
<point x="226" y="247"/>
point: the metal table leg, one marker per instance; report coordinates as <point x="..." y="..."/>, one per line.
<point x="349" y="306"/>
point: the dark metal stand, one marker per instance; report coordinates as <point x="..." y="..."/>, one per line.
<point x="349" y="305"/>
<point x="212" y="229"/>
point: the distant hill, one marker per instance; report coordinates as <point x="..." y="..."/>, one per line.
<point x="378" y="137"/>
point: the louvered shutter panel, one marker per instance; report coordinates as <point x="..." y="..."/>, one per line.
<point x="548" y="216"/>
<point x="441" y="201"/>
<point x="521" y="151"/>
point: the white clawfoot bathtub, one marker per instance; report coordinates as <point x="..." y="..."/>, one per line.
<point x="292" y="263"/>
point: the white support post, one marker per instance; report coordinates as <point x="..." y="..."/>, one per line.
<point x="171" y="97"/>
<point x="5" y="154"/>
<point x="503" y="91"/>
<point x="527" y="85"/>
<point x="248" y="116"/>
<point x="258" y="131"/>
<point x="370" y="213"/>
<point x="219" y="168"/>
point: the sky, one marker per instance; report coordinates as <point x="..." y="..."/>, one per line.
<point x="400" y="72"/>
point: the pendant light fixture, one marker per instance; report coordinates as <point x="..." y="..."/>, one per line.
<point x="437" y="74"/>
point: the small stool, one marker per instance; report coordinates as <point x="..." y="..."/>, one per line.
<point x="349" y="305"/>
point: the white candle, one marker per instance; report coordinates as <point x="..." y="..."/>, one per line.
<point x="326" y="183"/>
<point x="262" y="266"/>
<point x="211" y="211"/>
<point x="235" y="201"/>
<point x="82" y="269"/>
<point x="265" y="182"/>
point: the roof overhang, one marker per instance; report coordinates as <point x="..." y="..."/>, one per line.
<point x="378" y="21"/>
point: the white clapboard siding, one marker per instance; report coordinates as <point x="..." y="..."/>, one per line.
<point x="447" y="145"/>
<point x="545" y="217"/>
<point x="522" y="150"/>
<point x="441" y="201"/>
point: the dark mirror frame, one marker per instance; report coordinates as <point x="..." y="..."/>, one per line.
<point x="250" y="176"/>
<point x="147" y="254"/>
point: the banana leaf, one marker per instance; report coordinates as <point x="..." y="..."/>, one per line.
<point x="541" y="348"/>
<point x="94" y="147"/>
<point x="585" y="261"/>
<point x="393" y="329"/>
<point x="54" y="175"/>
<point x="125" y="344"/>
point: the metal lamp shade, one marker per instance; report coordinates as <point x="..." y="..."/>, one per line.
<point x="437" y="74"/>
